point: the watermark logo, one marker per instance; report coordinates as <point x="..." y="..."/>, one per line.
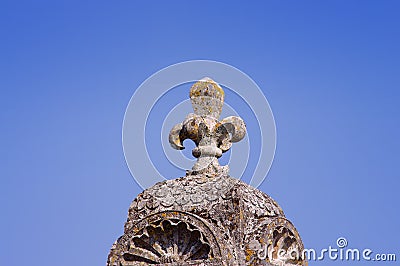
<point x="341" y="242"/>
<point x="340" y="252"/>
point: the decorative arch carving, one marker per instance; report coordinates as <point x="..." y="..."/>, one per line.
<point x="277" y="243"/>
<point x="167" y="237"/>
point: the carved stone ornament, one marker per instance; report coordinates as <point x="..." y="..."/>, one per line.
<point x="206" y="217"/>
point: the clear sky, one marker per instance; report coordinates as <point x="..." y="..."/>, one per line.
<point x="329" y="69"/>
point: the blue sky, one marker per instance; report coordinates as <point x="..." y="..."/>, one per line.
<point x="329" y="69"/>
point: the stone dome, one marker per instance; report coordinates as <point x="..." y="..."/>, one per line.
<point x="202" y="220"/>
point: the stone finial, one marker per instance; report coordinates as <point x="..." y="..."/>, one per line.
<point x="207" y="218"/>
<point x="211" y="136"/>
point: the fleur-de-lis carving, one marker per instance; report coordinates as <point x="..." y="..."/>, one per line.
<point x="211" y="136"/>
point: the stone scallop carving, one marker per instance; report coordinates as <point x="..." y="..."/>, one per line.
<point x="275" y="243"/>
<point x="167" y="238"/>
<point x="168" y="241"/>
<point x="284" y="237"/>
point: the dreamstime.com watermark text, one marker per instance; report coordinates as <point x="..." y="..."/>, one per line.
<point x="338" y="253"/>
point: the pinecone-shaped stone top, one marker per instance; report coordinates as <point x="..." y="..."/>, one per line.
<point x="207" y="98"/>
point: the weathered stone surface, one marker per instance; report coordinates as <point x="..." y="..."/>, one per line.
<point x="211" y="136"/>
<point x="206" y="217"/>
